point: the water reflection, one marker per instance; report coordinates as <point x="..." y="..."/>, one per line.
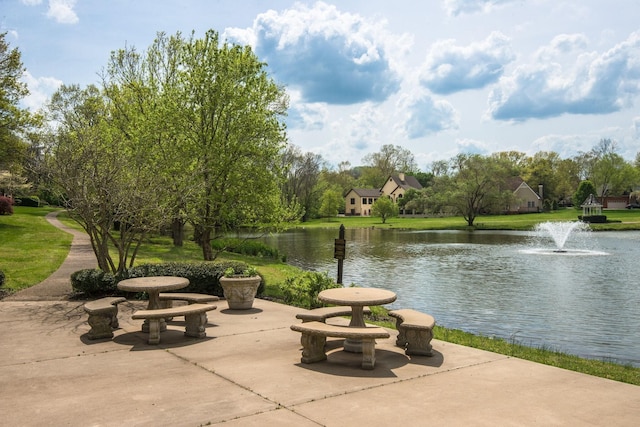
<point x="492" y="283"/>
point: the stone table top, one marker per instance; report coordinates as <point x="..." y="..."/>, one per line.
<point x="357" y="296"/>
<point x="153" y="284"/>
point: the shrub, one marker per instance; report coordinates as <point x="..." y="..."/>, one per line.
<point x="303" y="290"/>
<point x="1" y="277"/>
<point x="204" y="277"/>
<point x="30" y="201"/>
<point x="6" y="205"/>
<point x="245" y="247"/>
<point x="93" y="282"/>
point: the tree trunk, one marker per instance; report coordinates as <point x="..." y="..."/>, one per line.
<point x="177" y="232"/>
<point x="207" y="251"/>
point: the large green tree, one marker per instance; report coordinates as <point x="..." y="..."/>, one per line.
<point x="145" y="90"/>
<point x="232" y="110"/>
<point x="301" y="182"/>
<point x="388" y="161"/>
<point x="385" y="208"/>
<point x="212" y="119"/>
<point x="14" y="120"/>
<point x="108" y="184"/>
<point x="476" y="184"/>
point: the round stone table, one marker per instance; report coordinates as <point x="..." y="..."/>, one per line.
<point x="357" y="298"/>
<point x="153" y="286"/>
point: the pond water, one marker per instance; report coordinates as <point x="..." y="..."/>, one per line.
<point x="506" y="284"/>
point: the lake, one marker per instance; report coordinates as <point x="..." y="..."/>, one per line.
<point x="505" y="284"/>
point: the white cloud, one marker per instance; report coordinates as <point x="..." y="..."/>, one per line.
<point x="365" y="125"/>
<point x="328" y="55"/>
<point x="450" y="68"/>
<point x="426" y="116"/>
<point x="307" y="116"/>
<point x="472" y="146"/>
<point x="592" y="84"/>
<point x="40" y="90"/>
<point x="62" y="11"/>
<point x="459" y="7"/>
<point x="635" y="128"/>
<point x="566" y="145"/>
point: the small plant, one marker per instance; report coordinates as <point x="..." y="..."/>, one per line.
<point x="302" y="290"/>
<point x="247" y="272"/>
<point x="250" y="271"/>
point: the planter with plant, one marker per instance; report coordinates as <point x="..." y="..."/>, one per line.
<point x="240" y="287"/>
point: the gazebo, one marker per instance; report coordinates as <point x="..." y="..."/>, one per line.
<point x="592" y="210"/>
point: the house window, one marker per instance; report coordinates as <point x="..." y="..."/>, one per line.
<point x="364" y="200"/>
<point x="353" y="200"/>
<point x="370" y="201"/>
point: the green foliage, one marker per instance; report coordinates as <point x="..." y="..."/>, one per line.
<point x="204" y="277"/>
<point x="31" y="201"/>
<point x="6" y="206"/>
<point x="239" y="271"/>
<point x="245" y="247"/>
<point x="13" y="118"/>
<point x="302" y="290"/>
<point x="332" y="202"/>
<point x="93" y="282"/>
<point x="384" y="208"/>
<point x="585" y="189"/>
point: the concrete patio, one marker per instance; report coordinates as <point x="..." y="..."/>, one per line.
<point x="248" y="372"/>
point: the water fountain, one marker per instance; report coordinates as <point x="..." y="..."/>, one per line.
<point x="560" y="232"/>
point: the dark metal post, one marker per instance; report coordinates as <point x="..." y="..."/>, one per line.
<point x="339" y="252"/>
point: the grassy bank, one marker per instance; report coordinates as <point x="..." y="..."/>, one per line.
<point x="31" y="249"/>
<point x="625" y="219"/>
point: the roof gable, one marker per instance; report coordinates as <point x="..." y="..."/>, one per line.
<point x="366" y="192"/>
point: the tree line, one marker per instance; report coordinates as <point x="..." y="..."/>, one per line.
<point x="191" y="131"/>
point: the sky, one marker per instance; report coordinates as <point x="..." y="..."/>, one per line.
<point x="436" y="77"/>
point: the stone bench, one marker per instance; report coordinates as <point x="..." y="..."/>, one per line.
<point x="314" y="338"/>
<point x="192" y="298"/>
<point x="103" y="316"/>
<point x="323" y="313"/>
<point x="195" y="319"/>
<point x="415" y="331"/>
<point x="167" y="298"/>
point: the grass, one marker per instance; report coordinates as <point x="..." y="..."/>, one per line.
<point x="617" y="220"/>
<point x="31" y="249"/>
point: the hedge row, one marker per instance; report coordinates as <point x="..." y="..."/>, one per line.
<point x="204" y="277"/>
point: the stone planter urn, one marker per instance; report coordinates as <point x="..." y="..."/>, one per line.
<point x="240" y="291"/>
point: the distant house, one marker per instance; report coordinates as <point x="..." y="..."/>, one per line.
<point x="397" y="185"/>
<point x="358" y="201"/>
<point x="526" y="200"/>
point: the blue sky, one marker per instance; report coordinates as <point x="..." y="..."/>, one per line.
<point x="436" y="77"/>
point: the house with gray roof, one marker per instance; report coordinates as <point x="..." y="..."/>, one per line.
<point x="358" y="201"/>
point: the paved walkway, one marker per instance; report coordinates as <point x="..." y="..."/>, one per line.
<point x="58" y="286"/>
<point x="247" y="372"/>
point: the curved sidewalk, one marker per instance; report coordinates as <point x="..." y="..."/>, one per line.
<point x="57" y="287"/>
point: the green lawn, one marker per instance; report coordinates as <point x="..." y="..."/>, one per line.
<point x="30" y="248"/>
<point x="616" y="220"/>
